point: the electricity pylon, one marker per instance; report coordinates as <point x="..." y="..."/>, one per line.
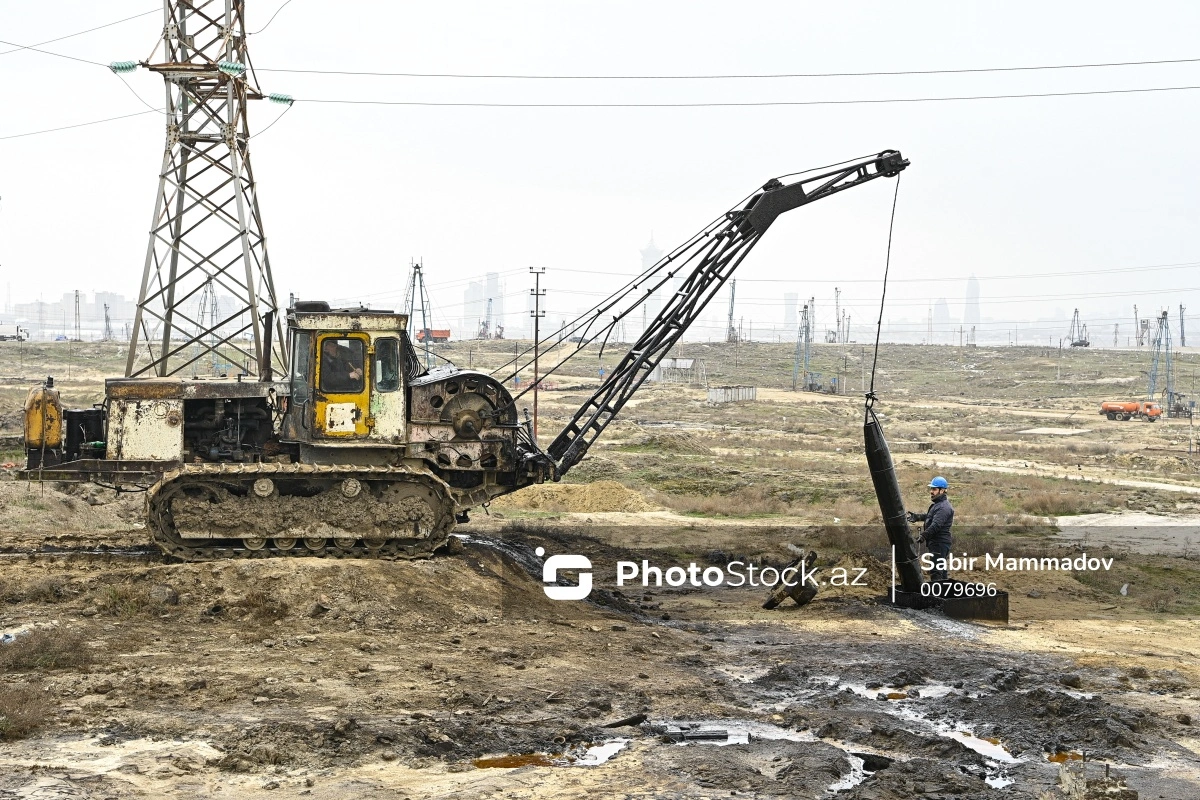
<point x="417" y="299"/>
<point x="206" y="225"/>
<point x="1162" y="365"/>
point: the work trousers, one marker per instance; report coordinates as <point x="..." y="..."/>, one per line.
<point x="940" y="548"/>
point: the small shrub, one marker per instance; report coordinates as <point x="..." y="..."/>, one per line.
<point x="122" y="601"/>
<point x="23" y="709"/>
<point x="1158" y="602"/>
<point x="49" y="649"/>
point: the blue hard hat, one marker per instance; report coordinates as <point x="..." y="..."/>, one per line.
<point x="939" y="483"/>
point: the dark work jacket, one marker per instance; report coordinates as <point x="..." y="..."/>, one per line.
<point x="938" y="520"/>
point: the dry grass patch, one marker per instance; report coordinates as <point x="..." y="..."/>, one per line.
<point x="45" y="649"/>
<point x="23" y="709"/>
<point x="122" y="601"/>
<point x="51" y="589"/>
<point x="744" y="503"/>
<point x="1055" y="504"/>
<point x="262" y="606"/>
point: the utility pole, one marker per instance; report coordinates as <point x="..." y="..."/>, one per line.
<point x="538" y="293"/>
<point x="1182" y="336"/>
<point x="731" y="334"/>
<point x="207" y="223"/>
<point x="1116" y="332"/>
<point x="800" y="331"/>
<point x="837" y="313"/>
<point x="78" y="336"/>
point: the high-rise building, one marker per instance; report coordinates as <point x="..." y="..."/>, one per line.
<point x="651" y="255"/>
<point x="790" y="320"/>
<point x="971" y="308"/>
<point x="941" y="320"/>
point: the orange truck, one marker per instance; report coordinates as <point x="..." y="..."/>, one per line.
<point x="435" y="334"/>
<point x="1133" y="409"/>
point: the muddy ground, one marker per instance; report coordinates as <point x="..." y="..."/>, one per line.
<point x="457" y="677"/>
<point x="330" y="678"/>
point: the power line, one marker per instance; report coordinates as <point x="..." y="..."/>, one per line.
<point x="272" y="19"/>
<point x="765" y="76"/>
<point x="748" y="104"/>
<point x="18" y="48"/>
<point x="1022" y="276"/>
<point x="49" y="53"/>
<point x="80" y="125"/>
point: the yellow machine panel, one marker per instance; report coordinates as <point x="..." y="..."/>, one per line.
<point x="43" y="418"/>
<point x="342" y="399"/>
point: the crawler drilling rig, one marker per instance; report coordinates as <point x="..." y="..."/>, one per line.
<point x="359" y="449"/>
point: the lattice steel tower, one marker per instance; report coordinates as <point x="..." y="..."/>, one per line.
<point x="206" y="226"/>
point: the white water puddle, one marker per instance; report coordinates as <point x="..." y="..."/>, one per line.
<point x="928" y="691"/>
<point x="853" y="778"/>
<point x="597" y="754"/>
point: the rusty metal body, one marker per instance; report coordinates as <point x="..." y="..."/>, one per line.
<point x="379" y="460"/>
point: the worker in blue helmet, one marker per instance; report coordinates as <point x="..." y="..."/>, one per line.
<point x="936" y="532"/>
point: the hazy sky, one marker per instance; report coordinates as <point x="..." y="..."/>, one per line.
<point x="350" y="193"/>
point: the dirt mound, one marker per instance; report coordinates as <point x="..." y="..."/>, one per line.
<point x="595" y="468"/>
<point x="675" y="442"/>
<point x="863" y="576"/>
<point x="579" y="498"/>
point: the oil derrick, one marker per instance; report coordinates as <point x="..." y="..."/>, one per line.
<point x="1078" y="335"/>
<point x="1182" y="335"/>
<point x="1162" y="368"/>
<point x="108" y="334"/>
<point x="731" y="332"/>
<point x="485" y="327"/>
<point x="416" y="295"/>
<point x="802" y="377"/>
<point x="206" y="225"/>
<point x="208" y="314"/>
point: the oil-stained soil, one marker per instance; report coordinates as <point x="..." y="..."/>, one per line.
<point x="457" y="677"/>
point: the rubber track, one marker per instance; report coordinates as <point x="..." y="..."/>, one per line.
<point x="165" y="536"/>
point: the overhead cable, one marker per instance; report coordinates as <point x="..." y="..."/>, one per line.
<point x="750" y="103"/>
<point x="761" y="76"/>
<point x="18" y="48"/>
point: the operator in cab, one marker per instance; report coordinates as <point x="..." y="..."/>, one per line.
<point x="341" y="366"/>
<point x="936" y="531"/>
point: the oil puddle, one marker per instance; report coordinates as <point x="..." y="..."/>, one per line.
<point x="1063" y="756"/>
<point x="590" y="756"/>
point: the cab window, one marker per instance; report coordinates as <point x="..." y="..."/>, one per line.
<point x="341" y="365"/>
<point x="301" y="365"/>
<point x="387" y="364"/>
